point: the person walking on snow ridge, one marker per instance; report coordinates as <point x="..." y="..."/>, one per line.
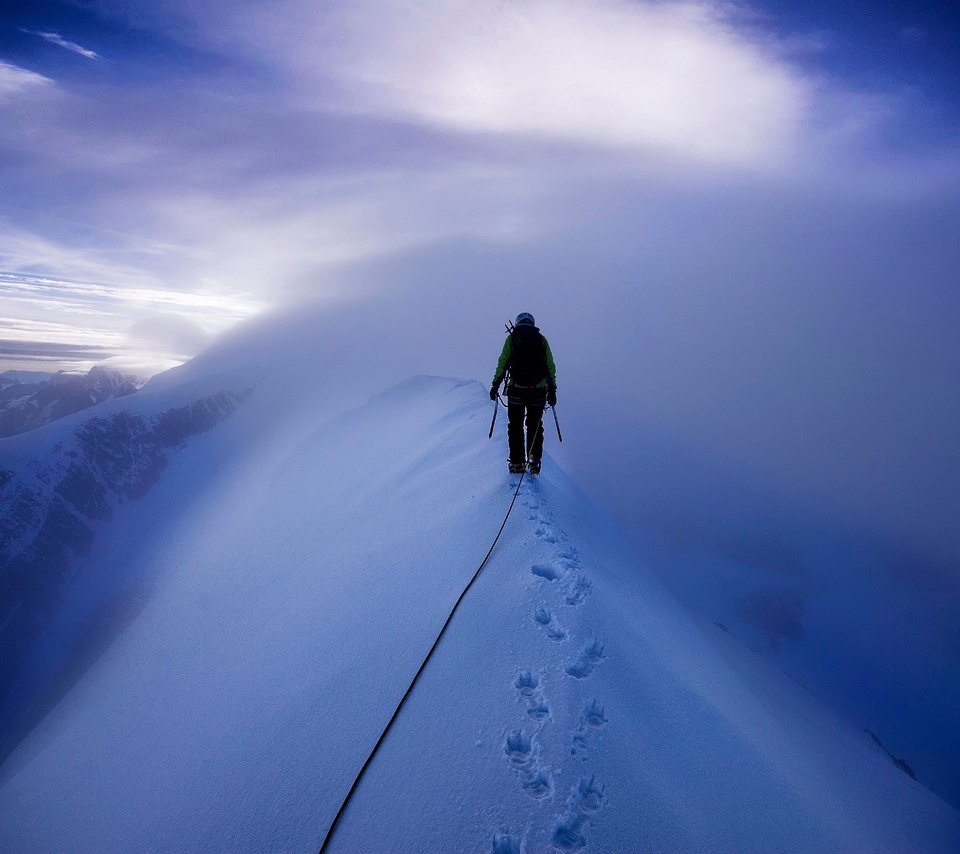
<point x="531" y="385"/>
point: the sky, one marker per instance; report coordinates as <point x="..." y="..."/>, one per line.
<point x="736" y="223"/>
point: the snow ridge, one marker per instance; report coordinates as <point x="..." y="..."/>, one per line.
<point x="572" y="706"/>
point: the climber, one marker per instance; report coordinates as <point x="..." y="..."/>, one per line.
<point x="527" y="364"/>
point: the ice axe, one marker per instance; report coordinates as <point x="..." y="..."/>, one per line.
<point x="497" y="402"/>
<point x="554" y="409"/>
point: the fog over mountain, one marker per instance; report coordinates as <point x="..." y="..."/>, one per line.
<point x="222" y="584"/>
<point x="735" y="223"/>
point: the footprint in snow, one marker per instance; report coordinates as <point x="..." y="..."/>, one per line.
<point x="504" y="843"/>
<point x="545" y="619"/>
<point x="567" y="835"/>
<point x="546" y="570"/>
<point x="519" y="750"/>
<point x="590" y="656"/>
<point x="528" y="690"/>
<point x="546" y="535"/>
<point x="578" y="589"/>
<point x="588" y="798"/>
<point x="543" y="616"/>
<point x="591" y="719"/>
<point x="538" y="785"/>
<point x="585" y="801"/>
<point x="526" y="683"/>
<point x="522" y="750"/>
<point x="593" y="716"/>
<point x="539" y="711"/>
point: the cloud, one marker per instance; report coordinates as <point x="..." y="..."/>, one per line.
<point x="220" y="309"/>
<point x="60" y="41"/>
<point x="282" y="233"/>
<point x="677" y="79"/>
<point x="16" y="81"/>
<point x="85" y="322"/>
<point x="50" y="351"/>
<point x="169" y="333"/>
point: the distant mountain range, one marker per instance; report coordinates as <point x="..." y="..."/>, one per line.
<point x="30" y="399"/>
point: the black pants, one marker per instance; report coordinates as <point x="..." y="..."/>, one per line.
<point x="529" y="403"/>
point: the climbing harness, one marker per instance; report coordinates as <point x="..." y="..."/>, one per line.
<point x="353" y="786"/>
<point x="500" y="401"/>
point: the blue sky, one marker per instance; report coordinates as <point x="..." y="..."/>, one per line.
<point x="747" y="210"/>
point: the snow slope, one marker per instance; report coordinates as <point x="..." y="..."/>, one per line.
<point x="67" y="490"/>
<point x="572" y="705"/>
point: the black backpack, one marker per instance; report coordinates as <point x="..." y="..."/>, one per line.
<point x="528" y="358"/>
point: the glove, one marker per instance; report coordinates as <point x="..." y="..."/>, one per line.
<point x="552" y="397"/>
<point x="493" y="391"/>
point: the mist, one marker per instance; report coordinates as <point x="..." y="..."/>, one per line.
<point x="778" y="339"/>
<point x="744" y="260"/>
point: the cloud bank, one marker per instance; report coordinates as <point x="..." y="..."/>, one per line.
<point x="674" y="79"/>
<point x="719" y="221"/>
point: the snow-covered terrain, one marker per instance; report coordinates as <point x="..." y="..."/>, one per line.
<point x="62" y="489"/>
<point x="292" y="568"/>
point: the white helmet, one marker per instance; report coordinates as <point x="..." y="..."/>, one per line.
<point x="525" y="317"/>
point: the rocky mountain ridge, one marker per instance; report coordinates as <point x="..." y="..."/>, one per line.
<point x="29" y="400"/>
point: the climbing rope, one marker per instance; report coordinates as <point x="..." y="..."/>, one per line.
<point x="436" y="643"/>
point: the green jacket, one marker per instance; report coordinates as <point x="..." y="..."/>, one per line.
<point x="505" y="360"/>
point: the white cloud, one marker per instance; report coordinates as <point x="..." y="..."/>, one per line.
<point x="16" y="81"/>
<point x="77" y="323"/>
<point x="217" y="308"/>
<point x="679" y="79"/>
<point x="168" y="333"/>
<point x="673" y="78"/>
<point x="23" y="249"/>
<point x="270" y="234"/>
<point x="60" y="41"/>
